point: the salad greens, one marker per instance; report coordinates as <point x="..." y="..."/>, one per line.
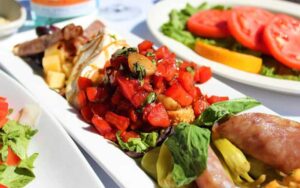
<point x="139" y="145"/>
<point x="176" y="28"/>
<point x="18" y="176"/>
<point x="17" y="137"/>
<point x="189" y="149"/>
<point x="224" y="109"/>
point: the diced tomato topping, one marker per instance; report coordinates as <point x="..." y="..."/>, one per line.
<point x="120" y="122"/>
<point x="139" y="98"/>
<point x="158" y="116"/>
<point x="99" y="109"/>
<point x="3" y="109"/>
<point x="159" y="84"/>
<point x="81" y="99"/>
<point x="111" y="136"/>
<point x="117" y="61"/>
<point x="2" y="186"/>
<point x="186" y="79"/>
<point x="199" y="106"/>
<point x="126" y="135"/>
<point x="101" y="125"/>
<point x="213" y="99"/>
<point x="95" y="94"/>
<point x="162" y="52"/>
<point x="195" y="92"/>
<point x="177" y="92"/>
<point x="202" y="74"/>
<point x="83" y="83"/>
<point x="166" y="69"/>
<point x="184" y="65"/>
<point x="133" y="115"/>
<point x="145" y="45"/>
<point x="87" y="113"/>
<point x="127" y="87"/>
<point x="116" y="98"/>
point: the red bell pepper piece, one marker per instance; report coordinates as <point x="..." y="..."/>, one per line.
<point x="158" y="116"/>
<point x="145" y="45"/>
<point x="186" y="79"/>
<point x="101" y="125"/>
<point x="120" y="122"/>
<point x="177" y="93"/>
<point x="202" y="74"/>
<point x="213" y="99"/>
<point x="83" y="83"/>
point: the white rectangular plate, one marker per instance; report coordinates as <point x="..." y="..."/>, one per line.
<point x="118" y="165"/>
<point x="60" y="164"/>
<point x="155" y="21"/>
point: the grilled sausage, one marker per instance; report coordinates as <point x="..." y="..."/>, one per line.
<point x="269" y="138"/>
<point x="214" y="176"/>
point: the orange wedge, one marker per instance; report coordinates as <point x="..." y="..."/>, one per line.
<point x="233" y="59"/>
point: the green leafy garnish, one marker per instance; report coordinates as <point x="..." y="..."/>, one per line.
<point x="151" y="97"/>
<point x="139" y="145"/>
<point x="224" y="109"/>
<point x="18" y="176"/>
<point x="139" y="71"/>
<point x="17" y="137"/>
<point x="189" y="147"/>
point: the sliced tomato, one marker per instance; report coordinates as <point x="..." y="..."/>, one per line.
<point x="209" y="23"/>
<point x="247" y="24"/>
<point x="282" y="36"/>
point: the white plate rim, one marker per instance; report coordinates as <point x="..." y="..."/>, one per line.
<point x="154" y="21"/>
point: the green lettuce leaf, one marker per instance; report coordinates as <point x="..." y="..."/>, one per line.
<point x="189" y="148"/>
<point x="20" y="176"/>
<point x="139" y="145"/>
<point x="17" y="137"/>
<point x="224" y="109"/>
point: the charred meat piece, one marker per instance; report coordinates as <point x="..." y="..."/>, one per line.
<point x="214" y="176"/>
<point x="271" y="139"/>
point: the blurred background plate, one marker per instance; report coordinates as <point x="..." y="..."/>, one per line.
<point x="155" y="21"/>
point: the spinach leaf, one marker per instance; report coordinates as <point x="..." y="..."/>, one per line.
<point x="138" y="145"/>
<point x="224" y="109"/>
<point x="189" y="147"/>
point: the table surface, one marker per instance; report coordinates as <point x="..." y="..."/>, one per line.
<point x="284" y="104"/>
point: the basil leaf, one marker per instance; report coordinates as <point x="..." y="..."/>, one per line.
<point x="139" y="71"/>
<point x="189" y="147"/>
<point x="138" y="145"/>
<point x="123" y="52"/>
<point x="224" y="109"/>
<point x="18" y="176"/>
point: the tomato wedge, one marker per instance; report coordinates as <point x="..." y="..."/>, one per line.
<point x="282" y="36"/>
<point x="209" y="23"/>
<point x="246" y="24"/>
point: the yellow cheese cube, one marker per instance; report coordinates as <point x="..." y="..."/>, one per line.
<point x="67" y="68"/>
<point x="55" y="80"/>
<point x="56" y="49"/>
<point x="52" y="63"/>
